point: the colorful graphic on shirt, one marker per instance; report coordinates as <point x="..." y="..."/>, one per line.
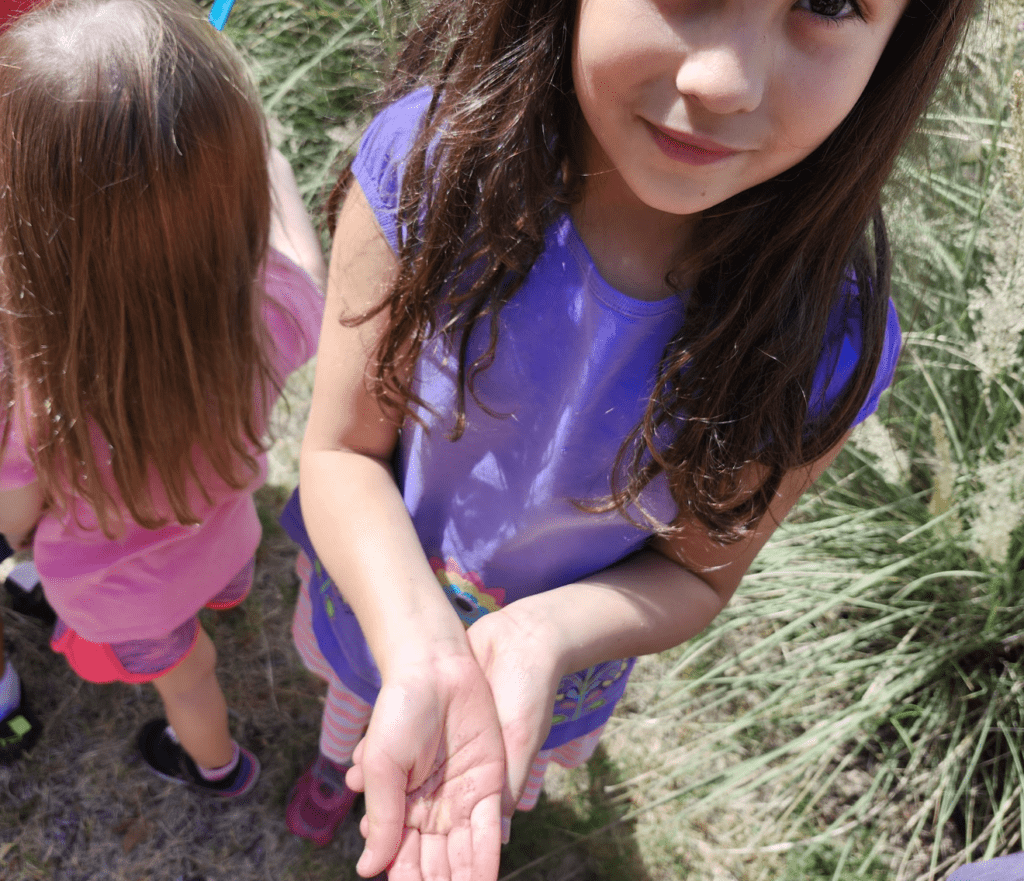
<point x="320" y="579"/>
<point x="467" y="593"/>
<point x="583" y="692"/>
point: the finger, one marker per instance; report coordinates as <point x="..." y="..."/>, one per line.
<point x="424" y="779"/>
<point x="385" y="784"/>
<point x="434" y="856"/>
<point x="355" y="779"/>
<point x="520" y="758"/>
<point x="485" y="822"/>
<point x="357" y="753"/>
<point x="460" y="852"/>
<point x="508" y="807"/>
<point x="406" y="865"/>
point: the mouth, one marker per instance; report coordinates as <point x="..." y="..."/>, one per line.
<point x="686" y="148"/>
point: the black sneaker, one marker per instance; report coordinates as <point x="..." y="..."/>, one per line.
<point x="19" y="731"/>
<point x="168" y="760"/>
<point x="27" y="595"/>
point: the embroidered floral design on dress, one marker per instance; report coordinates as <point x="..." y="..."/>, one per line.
<point x="583" y="692"/>
<point x="467" y="593"/>
<point x="324" y="583"/>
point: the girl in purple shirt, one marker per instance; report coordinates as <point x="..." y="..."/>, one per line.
<point x="609" y="289"/>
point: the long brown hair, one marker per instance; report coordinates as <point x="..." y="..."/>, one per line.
<point x="133" y="221"/>
<point x="496" y="162"/>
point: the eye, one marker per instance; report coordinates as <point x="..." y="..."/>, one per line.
<point x="833" y="10"/>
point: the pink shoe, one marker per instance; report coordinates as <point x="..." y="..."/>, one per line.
<point x="319" y="801"/>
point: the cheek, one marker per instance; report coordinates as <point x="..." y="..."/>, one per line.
<point x="608" y="56"/>
<point x="594" y="80"/>
<point x="594" y="65"/>
<point x="817" y="102"/>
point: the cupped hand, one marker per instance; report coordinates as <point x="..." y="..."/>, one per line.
<point x="432" y="767"/>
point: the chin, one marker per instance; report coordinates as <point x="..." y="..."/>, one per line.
<point x="683" y="205"/>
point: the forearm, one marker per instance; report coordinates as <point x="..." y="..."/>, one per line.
<point x="643" y="605"/>
<point x="364" y="537"/>
<point x="664" y="595"/>
<point x="353" y="510"/>
<point x="291" y="230"/>
<point x="660" y="597"/>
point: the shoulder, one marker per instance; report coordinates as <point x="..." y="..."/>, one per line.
<point x="380" y="160"/>
<point x="842" y="352"/>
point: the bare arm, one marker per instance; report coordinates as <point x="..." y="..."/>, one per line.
<point x="291" y="231"/>
<point x="670" y="592"/>
<point x="434" y="722"/>
<point x="353" y="511"/>
<point x="656" y="599"/>
<point x="20" y="510"/>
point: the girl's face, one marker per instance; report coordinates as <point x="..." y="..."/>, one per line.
<point x="689" y="102"/>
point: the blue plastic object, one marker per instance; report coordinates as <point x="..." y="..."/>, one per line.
<point x="220" y="12"/>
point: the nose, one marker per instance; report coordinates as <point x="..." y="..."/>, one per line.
<point x="727" y="73"/>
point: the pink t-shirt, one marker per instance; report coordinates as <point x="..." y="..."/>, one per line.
<point x="148" y="581"/>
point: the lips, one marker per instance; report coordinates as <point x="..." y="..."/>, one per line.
<point x="688" y="148"/>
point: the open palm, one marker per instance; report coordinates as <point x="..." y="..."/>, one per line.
<point x="432" y="767"/>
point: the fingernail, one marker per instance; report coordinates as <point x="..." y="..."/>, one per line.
<point x="506" y="829"/>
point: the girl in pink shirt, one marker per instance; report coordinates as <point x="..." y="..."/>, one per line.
<point x="19" y="729"/>
<point x="151" y="307"/>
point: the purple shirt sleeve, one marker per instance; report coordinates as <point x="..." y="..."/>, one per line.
<point x="886" y="365"/>
<point x="382" y="154"/>
<point x="843" y="348"/>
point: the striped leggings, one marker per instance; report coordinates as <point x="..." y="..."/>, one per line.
<point x="346" y="715"/>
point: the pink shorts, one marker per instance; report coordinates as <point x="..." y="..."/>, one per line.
<point x="143" y="660"/>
